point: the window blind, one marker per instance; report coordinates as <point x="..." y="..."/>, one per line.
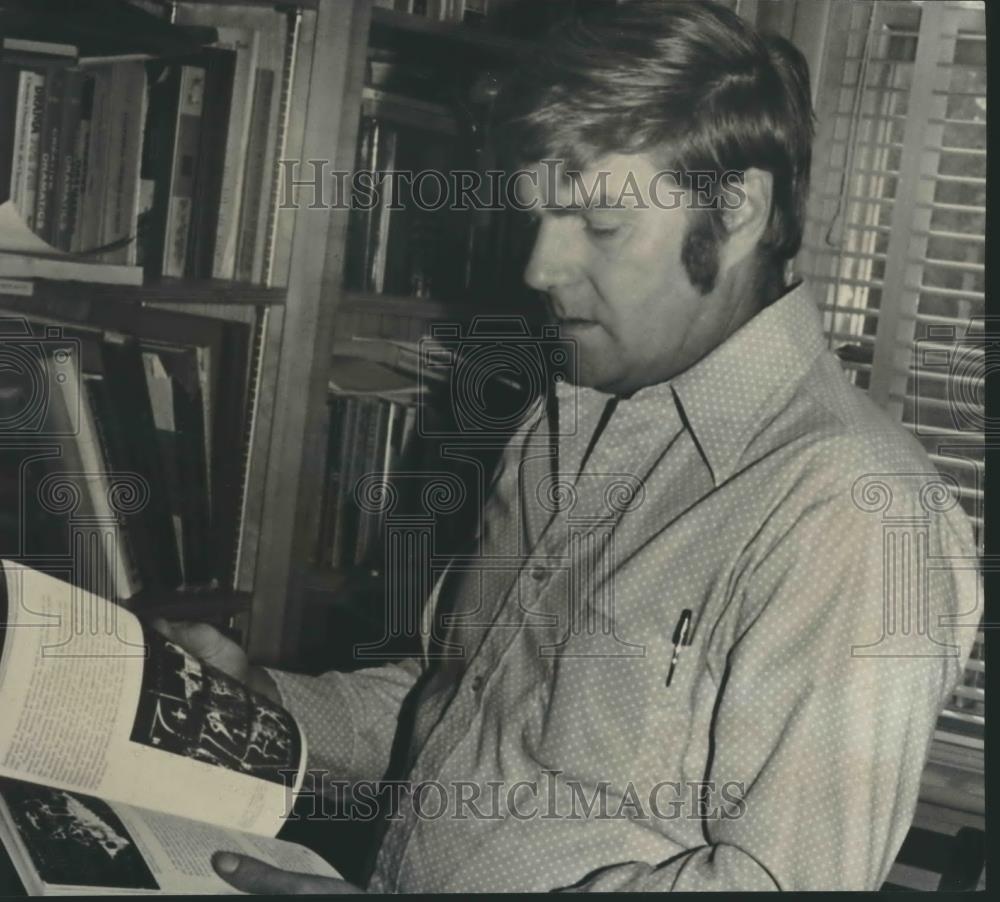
<point x="895" y="239"/>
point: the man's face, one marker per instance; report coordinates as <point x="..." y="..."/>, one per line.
<point x="614" y="276"/>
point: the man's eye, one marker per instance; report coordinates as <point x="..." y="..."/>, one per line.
<point x="602" y="231"/>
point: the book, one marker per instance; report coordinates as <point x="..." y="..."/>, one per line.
<point x="160" y="557"/>
<point x="210" y="163"/>
<point x="95" y="176"/>
<point x="126" y="113"/>
<point x="263" y="126"/>
<point x="95" y="30"/>
<point x="23" y="255"/>
<point x="68" y="160"/>
<point x="172" y="379"/>
<point x="187" y="130"/>
<point x="24" y="266"/>
<point x="14" y="95"/>
<point x="244" y="43"/>
<point x="104" y="428"/>
<point x="113" y="573"/>
<point x="70" y="227"/>
<point x="23" y="193"/>
<point x="124" y="761"/>
<point x="55" y="86"/>
<point x="42" y="48"/>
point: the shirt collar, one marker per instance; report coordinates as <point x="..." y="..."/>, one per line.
<point x="727" y="394"/>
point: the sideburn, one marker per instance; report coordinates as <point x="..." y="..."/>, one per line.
<point x="700" y="250"/>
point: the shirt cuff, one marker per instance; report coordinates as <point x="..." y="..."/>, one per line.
<point x="324" y="715"/>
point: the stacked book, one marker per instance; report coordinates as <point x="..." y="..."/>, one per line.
<point x="126" y="446"/>
<point x="442" y="10"/>
<point x="160" y="162"/>
<point x="374" y="394"/>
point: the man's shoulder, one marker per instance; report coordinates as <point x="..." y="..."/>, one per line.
<point x="833" y="448"/>
<point x="841" y="432"/>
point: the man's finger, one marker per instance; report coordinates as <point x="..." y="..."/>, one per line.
<point x="163" y="627"/>
<point x="253" y="876"/>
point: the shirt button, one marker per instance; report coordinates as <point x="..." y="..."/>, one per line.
<point x="539" y="574"/>
<point x="477" y="684"/>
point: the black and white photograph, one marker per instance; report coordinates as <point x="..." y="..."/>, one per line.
<point x="543" y="442"/>
<point x="74" y="839"/>
<point x="189" y="708"/>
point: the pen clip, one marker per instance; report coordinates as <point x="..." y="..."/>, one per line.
<point x="682" y="632"/>
<point x="682" y="637"/>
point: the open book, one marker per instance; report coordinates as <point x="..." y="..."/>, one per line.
<point x="124" y="762"/>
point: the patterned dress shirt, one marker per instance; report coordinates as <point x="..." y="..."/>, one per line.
<point x="830" y="581"/>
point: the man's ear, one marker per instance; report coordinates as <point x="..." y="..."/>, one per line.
<point x="746" y="221"/>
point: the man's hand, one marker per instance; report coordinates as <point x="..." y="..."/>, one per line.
<point x="209" y="645"/>
<point x="253" y="876"/>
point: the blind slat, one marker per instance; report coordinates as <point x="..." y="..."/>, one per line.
<point x="914" y="239"/>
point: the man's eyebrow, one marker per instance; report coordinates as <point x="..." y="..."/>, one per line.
<point x="557" y="210"/>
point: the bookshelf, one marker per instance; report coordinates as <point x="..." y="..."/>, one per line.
<point x="325" y="308"/>
<point x="289" y="317"/>
<point x="232" y="324"/>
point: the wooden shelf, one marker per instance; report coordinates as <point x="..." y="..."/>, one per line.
<point x="361" y="302"/>
<point x="388" y="26"/>
<point x="165" y="291"/>
<point x="301" y="4"/>
<point x="140" y="309"/>
<point x="178" y="605"/>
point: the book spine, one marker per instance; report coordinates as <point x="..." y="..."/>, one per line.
<point x="49" y="157"/>
<point x="244" y="43"/>
<point x="230" y="414"/>
<point x="211" y="162"/>
<point x="128" y="106"/>
<point x="19" y="143"/>
<point x="92" y="199"/>
<point x="390" y="460"/>
<point x="284" y="112"/>
<point x="247" y="265"/>
<point x="156" y="162"/>
<point x="34" y="148"/>
<point x="68" y="160"/>
<point x="345" y="490"/>
<point x="370" y="448"/>
<point x="124" y="368"/>
<point x="74" y="225"/>
<point x="111" y="430"/>
<point x="121" y="567"/>
<point x="328" y="517"/>
<point x="379" y="243"/>
<point x="182" y="178"/>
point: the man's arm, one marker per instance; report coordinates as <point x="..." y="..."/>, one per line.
<point x="349" y="719"/>
<point x="827" y="738"/>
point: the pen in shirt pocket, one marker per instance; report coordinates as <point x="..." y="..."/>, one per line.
<point x="682" y="634"/>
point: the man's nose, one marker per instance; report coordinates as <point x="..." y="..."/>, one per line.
<point x="555" y="257"/>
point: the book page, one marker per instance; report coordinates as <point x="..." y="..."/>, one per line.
<point x="73" y="840"/>
<point x="96" y="702"/>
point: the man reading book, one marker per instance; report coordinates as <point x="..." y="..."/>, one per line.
<point x="682" y="657"/>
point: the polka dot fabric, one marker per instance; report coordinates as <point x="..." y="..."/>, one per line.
<point x="830" y="616"/>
